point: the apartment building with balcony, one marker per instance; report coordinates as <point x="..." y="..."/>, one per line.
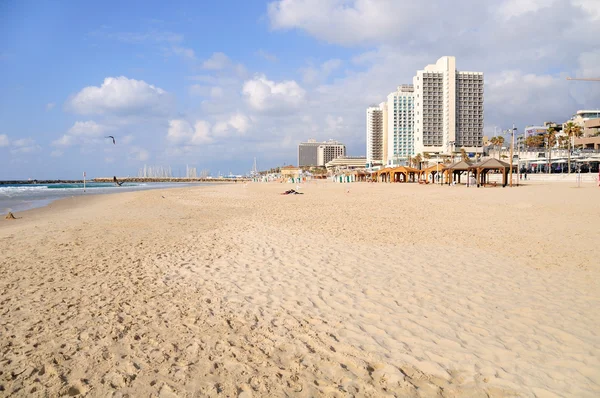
<point x="375" y="134"/>
<point x="448" y="108"/>
<point x="400" y="125"/>
<point x="317" y="154"/>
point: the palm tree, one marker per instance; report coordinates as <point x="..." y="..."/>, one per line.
<point x="500" y="143"/>
<point x="563" y="142"/>
<point x="427" y="156"/>
<point x="550" y="137"/>
<point x="417" y="159"/>
<point x="410" y="161"/>
<point x="464" y="155"/>
<point x="572" y="130"/>
<point x="494" y="142"/>
<point x="534" y="141"/>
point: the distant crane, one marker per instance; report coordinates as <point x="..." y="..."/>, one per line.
<point x="589" y="79"/>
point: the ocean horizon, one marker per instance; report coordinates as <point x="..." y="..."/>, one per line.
<point x="21" y="197"/>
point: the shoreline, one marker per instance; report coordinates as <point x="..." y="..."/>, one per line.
<point x="235" y="289"/>
<point x="45" y="202"/>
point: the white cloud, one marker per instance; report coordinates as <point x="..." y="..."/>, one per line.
<point x="88" y="129"/>
<point x="83" y="132"/>
<point x="236" y="124"/>
<point x="64" y="141"/>
<point x="312" y="75"/>
<point x="24" y="145"/>
<point x="50" y="106"/>
<point x="4" y="140"/>
<point x="139" y="154"/>
<point x="56" y="153"/>
<point x="126" y="139"/>
<point x="343" y="21"/>
<point x="120" y="96"/>
<point x="23" y="142"/>
<point x="266" y="55"/>
<point x="181" y="132"/>
<point x="109" y="160"/>
<point x="266" y="95"/>
<point x="217" y="61"/>
<point x="187" y="53"/>
<point x="216" y="92"/>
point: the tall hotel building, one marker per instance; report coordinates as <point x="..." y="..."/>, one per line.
<point x="400" y="125"/>
<point x="448" y="108"/>
<point x="375" y="134"/>
<point x="313" y="153"/>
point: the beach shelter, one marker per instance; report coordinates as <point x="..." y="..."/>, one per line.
<point x="433" y="171"/>
<point x="397" y="174"/>
<point x="482" y="169"/>
<point x="454" y="171"/>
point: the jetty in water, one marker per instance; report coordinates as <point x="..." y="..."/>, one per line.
<point x="30" y="182"/>
<point x="171" y="179"/>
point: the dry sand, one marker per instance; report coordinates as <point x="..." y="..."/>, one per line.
<point x="389" y="290"/>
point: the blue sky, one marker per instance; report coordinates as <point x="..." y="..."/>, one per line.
<point x="215" y="84"/>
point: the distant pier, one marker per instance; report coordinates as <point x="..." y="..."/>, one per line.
<point x="169" y="179"/>
<point x="29" y="182"/>
<point x="127" y="179"/>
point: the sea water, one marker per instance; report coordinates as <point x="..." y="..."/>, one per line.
<point x="22" y="197"/>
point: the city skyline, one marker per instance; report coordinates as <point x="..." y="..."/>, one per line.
<point x="273" y="74"/>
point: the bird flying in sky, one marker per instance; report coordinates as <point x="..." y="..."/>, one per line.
<point x="113" y="138"/>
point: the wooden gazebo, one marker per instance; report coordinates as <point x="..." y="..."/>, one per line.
<point x="454" y="171"/>
<point x="398" y="174"/>
<point x="433" y="170"/>
<point x="482" y="169"/>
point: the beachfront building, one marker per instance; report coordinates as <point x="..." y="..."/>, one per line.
<point x="347" y="162"/>
<point x="375" y="123"/>
<point x="582" y="116"/>
<point x="400" y="125"/>
<point x="317" y="154"/>
<point x="448" y="108"/>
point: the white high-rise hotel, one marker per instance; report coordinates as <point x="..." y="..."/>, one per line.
<point x="448" y="108"/>
<point x="441" y="112"/>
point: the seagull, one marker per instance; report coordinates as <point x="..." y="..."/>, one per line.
<point x="113" y="138"/>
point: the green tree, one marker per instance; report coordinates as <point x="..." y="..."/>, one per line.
<point x="550" y="138"/>
<point x="418" y="159"/>
<point x="573" y="131"/>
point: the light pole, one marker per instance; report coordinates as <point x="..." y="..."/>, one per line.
<point x="450" y="145"/>
<point x="512" y="145"/>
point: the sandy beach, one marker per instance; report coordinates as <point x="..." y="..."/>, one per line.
<point x="224" y="291"/>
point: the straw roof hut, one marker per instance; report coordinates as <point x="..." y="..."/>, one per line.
<point x="482" y="169"/>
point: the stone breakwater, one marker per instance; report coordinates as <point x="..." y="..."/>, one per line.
<point x="168" y="179"/>
<point x="27" y="182"/>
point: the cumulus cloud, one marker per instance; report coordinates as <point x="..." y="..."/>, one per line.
<point x="24" y="145"/>
<point x="82" y="132"/>
<point x="236" y="124"/>
<point x="181" y="132"/>
<point x="120" y="96"/>
<point x="217" y="61"/>
<point x="266" y="95"/>
<point x="312" y="75"/>
<point x="139" y="154"/>
<point x="4" y="140"/>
